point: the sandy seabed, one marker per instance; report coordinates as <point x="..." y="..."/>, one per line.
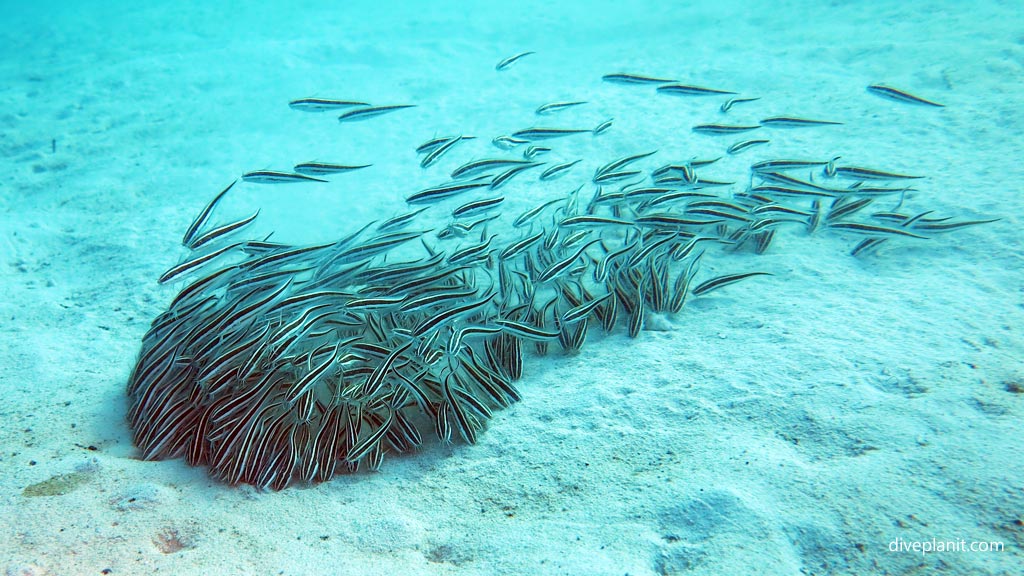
<point x="805" y="423"/>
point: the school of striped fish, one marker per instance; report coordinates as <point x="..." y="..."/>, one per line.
<point x="278" y="364"/>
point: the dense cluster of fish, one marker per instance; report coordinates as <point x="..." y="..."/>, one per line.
<point x="280" y="363"/>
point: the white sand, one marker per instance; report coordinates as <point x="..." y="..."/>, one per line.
<point x="793" y="424"/>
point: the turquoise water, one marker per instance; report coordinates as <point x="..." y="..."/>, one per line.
<point x="820" y="420"/>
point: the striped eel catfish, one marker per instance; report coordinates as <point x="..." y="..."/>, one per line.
<point x="279" y="364"/>
<point x="901" y="95"/>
